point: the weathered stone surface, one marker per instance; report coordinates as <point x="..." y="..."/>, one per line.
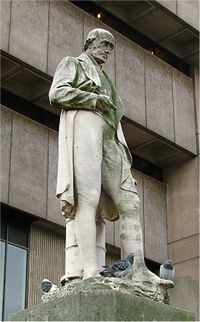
<point x="139" y="178"/>
<point x="65" y="32"/>
<point x="160" y="118"/>
<point x="53" y="204"/>
<point x="29" y="32"/>
<point x="117" y="233"/>
<point x="5" y="23"/>
<point x="130" y="80"/>
<point x="110" y="232"/>
<point x="28" y="178"/>
<point x="155" y="292"/>
<point x="86" y="161"/>
<point x="5" y="148"/>
<point x="184" y="113"/>
<point x="155" y="220"/>
<point x="102" y="305"/>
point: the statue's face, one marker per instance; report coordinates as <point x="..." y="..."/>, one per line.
<point x="101" y="48"/>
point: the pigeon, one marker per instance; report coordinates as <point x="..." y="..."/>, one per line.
<point x="120" y="268"/>
<point x="47" y="286"/>
<point x="167" y="270"/>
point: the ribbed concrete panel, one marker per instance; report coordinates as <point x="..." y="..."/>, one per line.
<point x="155" y="219"/>
<point x="159" y="102"/>
<point x="92" y="23"/>
<point x="130" y="78"/>
<point x="5" y="148"/>
<point x="53" y="204"/>
<point x="65" y="33"/>
<point x="5" y="23"/>
<point x="46" y="260"/>
<point x="28" y="177"/>
<point x="184" y="111"/>
<point x="29" y="32"/>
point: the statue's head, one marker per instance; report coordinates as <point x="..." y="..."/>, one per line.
<point x="99" y="44"/>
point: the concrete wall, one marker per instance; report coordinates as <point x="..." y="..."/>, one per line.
<point x="187" y="10"/>
<point x="29" y="171"/>
<point x="195" y="73"/>
<point x="155" y="94"/>
<point x="183" y="232"/>
<point x="29" y="166"/>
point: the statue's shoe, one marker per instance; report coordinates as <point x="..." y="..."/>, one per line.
<point x="146" y="276"/>
<point x="94" y="273"/>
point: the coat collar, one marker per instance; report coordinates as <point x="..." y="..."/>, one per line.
<point x="89" y="68"/>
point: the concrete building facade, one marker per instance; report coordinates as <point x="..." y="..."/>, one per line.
<point x="157" y="77"/>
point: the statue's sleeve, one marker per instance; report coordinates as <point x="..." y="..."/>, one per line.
<point x="64" y="92"/>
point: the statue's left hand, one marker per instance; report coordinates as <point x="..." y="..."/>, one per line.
<point x="104" y="103"/>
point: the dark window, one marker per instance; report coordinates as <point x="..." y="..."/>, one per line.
<point x="15" y="280"/>
<point x="14" y="254"/>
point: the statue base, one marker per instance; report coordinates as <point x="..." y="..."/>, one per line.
<point x="101" y="299"/>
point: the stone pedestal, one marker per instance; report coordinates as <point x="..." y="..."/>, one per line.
<point x="81" y="302"/>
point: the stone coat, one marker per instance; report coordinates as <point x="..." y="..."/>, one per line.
<point x="76" y="85"/>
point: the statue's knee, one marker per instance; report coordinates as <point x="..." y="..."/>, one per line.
<point x="129" y="204"/>
<point x="91" y="199"/>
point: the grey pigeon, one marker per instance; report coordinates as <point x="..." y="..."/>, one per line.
<point x="167" y="270"/>
<point x="120" y="268"/>
<point x="47" y="286"/>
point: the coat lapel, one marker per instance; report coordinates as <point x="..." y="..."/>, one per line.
<point x="89" y="69"/>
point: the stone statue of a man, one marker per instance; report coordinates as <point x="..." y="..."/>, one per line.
<point x="94" y="160"/>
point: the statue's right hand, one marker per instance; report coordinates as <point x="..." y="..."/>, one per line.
<point x="104" y="103"/>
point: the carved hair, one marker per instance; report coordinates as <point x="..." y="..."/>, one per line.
<point x="94" y="34"/>
<point x="88" y="43"/>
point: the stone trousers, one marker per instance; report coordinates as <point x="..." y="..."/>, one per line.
<point x="99" y="160"/>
